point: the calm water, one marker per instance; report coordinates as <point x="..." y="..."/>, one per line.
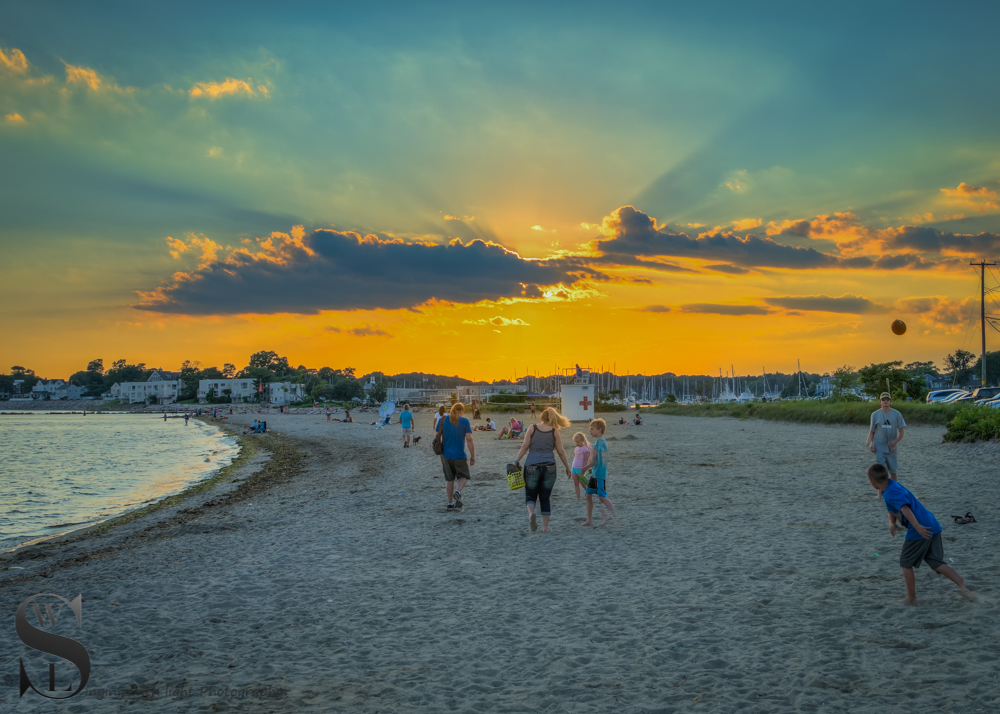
<point x="59" y="472"/>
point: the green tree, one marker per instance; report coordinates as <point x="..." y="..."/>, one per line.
<point x="922" y="368"/>
<point x="845" y="379"/>
<point x="958" y="363"/>
<point x="671" y="398"/>
<point x="228" y="370"/>
<point x="377" y="392"/>
<point x="121" y="371"/>
<point x="96" y="366"/>
<point x="347" y="389"/>
<point x="992" y="367"/>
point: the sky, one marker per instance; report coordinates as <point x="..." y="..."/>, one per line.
<point x="494" y="191"/>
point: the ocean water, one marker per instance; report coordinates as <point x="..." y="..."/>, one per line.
<point x="60" y="472"/>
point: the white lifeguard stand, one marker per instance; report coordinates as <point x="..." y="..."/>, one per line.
<point x="578" y="394"/>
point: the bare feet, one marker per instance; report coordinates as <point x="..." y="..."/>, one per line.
<point x="545" y="529"/>
<point x="532" y="523"/>
<point x="911" y="603"/>
<point x="607" y="517"/>
<point x="587" y="523"/>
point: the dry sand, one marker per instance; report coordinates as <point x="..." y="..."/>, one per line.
<point x="739" y="576"/>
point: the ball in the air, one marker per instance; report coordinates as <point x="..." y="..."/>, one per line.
<point x="898" y="327"/>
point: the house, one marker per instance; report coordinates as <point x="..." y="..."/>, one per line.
<point x="240" y="389"/>
<point x="243" y="388"/>
<point x="47" y="388"/>
<point x="164" y="391"/>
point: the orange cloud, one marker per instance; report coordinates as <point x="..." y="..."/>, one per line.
<point x="230" y="87"/>
<point x="941" y="313"/>
<point x="747" y="224"/>
<point x="14" y="118"/>
<point x="13" y="60"/>
<point x="83" y="75"/>
<point x="978" y="197"/>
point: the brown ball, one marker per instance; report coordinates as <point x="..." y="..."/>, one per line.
<point x="898" y="327"/>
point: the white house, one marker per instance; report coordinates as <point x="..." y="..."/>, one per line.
<point x="243" y="388"/>
<point x="165" y="391"/>
<point x="283" y="392"/>
<point x="239" y="388"/>
<point x="47" y="388"/>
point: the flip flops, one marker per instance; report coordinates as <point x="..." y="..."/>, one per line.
<point x="967" y="518"/>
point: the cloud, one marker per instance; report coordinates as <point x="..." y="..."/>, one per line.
<point x="332" y="328"/>
<point x="747" y="224"/>
<point x="367" y="330"/>
<point x="631" y="233"/>
<point x="849" y="304"/>
<point x="214" y="152"/>
<point x="731" y="269"/>
<point x="331" y="270"/>
<point x="704" y="308"/>
<point x="83" y="75"/>
<point x="980" y="198"/>
<point x="653" y="308"/>
<point x="924" y="239"/>
<point x="543" y="229"/>
<point x="941" y="313"/>
<point x="14" y="118"/>
<point x="230" y="87"/>
<point x="13" y="60"/>
<point x="737" y="182"/>
<point x="498" y="321"/>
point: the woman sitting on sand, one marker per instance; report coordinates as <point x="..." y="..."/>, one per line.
<point x="512" y="431"/>
<point x="638" y="419"/>
<point x="540" y="467"/>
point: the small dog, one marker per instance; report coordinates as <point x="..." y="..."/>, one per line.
<point x="416" y="440"/>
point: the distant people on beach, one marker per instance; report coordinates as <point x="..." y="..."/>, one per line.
<point x="597" y="485"/>
<point x="532" y="412"/>
<point x="328" y="413"/>
<point x="438" y="416"/>
<point x="406" y="422"/>
<point x="456" y="434"/>
<point x="540" y="441"/>
<point x="638" y="419"/>
<point x="186" y="417"/>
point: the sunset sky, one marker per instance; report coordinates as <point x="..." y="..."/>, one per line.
<point x="459" y="190"/>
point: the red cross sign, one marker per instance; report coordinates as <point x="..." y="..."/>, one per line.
<point x="585" y="403"/>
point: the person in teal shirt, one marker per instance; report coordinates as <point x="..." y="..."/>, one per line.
<point x="599" y="479"/>
<point x="406" y="421"/>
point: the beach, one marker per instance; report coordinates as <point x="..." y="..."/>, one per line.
<point x="749" y="568"/>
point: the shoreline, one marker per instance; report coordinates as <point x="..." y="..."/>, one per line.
<point x="223" y="482"/>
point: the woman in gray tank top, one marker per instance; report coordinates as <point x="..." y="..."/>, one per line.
<point x="540" y="467"/>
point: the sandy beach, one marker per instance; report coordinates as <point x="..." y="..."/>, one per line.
<point x="749" y="569"/>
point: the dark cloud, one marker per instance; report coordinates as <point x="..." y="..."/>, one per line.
<point x="332" y="328"/>
<point x="931" y="240"/>
<point x="636" y="236"/>
<point x="849" y="304"/>
<point x="715" y="309"/>
<point x="330" y="270"/>
<point x="730" y="269"/>
<point x="368" y="331"/>
<point x="653" y="308"/>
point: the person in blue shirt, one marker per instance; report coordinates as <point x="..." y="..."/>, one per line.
<point x="406" y="421"/>
<point x="598" y="484"/>
<point x="456" y="433"/>
<point x="923" y="532"/>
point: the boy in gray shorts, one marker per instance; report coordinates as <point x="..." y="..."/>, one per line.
<point x="922" y="542"/>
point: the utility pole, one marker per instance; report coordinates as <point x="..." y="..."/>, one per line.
<point x="982" y="311"/>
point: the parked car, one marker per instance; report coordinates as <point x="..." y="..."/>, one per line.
<point x="951" y="398"/>
<point x="981" y="394"/>
<point x="939" y="395"/>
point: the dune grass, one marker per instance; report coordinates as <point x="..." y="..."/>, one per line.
<point x="975" y="423"/>
<point x="817" y="412"/>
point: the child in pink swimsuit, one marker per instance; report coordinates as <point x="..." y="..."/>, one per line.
<point x="581" y="454"/>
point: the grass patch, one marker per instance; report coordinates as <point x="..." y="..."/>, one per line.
<point x="975" y="423"/>
<point x="817" y="412"/>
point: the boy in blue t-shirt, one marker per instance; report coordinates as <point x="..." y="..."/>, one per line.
<point x="923" y="534"/>
<point x="406" y="421"/>
<point x="598" y="481"/>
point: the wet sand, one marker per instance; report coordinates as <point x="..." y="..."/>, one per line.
<point x="739" y="575"/>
